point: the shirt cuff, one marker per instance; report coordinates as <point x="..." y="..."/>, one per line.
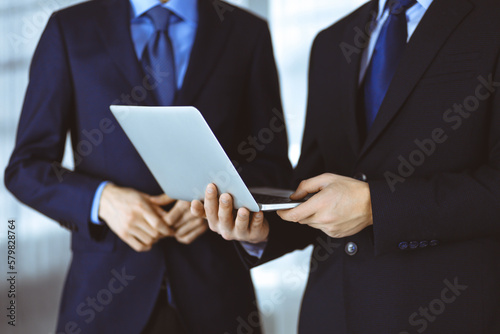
<point x="255" y="250"/>
<point x="94" y="212"/>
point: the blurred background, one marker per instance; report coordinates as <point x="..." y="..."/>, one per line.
<point x="43" y="247"/>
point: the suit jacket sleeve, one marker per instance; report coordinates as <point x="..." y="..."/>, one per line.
<point x="446" y="207"/>
<point x="34" y="174"/>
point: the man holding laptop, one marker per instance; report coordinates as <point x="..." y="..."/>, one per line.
<point x="198" y="53"/>
<point x="402" y="151"/>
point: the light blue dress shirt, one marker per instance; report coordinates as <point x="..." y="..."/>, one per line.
<point x="413" y="17"/>
<point x="181" y="30"/>
<point x="182" y="33"/>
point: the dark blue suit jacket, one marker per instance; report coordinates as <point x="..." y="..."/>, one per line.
<point x="430" y="262"/>
<point x="84" y="62"/>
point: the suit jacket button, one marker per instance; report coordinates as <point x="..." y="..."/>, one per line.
<point x="414" y="244"/>
<point x="423" y="244"/>
<point x="351" y="248"/>
<point x="434" y="243"/>
<point x="403" y="245"/>
<point x="360" y="177"/>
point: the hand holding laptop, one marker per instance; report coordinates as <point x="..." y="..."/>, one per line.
<point x="246" y="226"/>
<point x="340" y="207"/>
<point x="337" y="205"/>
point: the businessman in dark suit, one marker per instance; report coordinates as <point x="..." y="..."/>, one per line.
<point x="402" y="148"/>
<point x="132" y="269"/>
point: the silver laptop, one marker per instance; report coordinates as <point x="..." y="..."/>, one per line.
<point x="184" y="156"/>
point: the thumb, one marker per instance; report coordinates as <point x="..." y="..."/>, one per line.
<point x="161" y="199"/>
<point x="310" y="186"/>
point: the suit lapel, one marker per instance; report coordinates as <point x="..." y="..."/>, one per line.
<point x="349" y="72"/>
<point x="438" y="23"/>
<point x="210" y="41"/>
<point x="114" y="25"/>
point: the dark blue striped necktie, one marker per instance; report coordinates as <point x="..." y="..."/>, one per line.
<point x="158" y="57"/>
<point x="389" y="48"/>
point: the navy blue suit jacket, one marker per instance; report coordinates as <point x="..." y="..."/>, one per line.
<point x="430" y="262"/>
<point x="84" y="62"/>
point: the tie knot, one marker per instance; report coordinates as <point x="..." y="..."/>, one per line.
<point x="397" y="7"/>
<point x="160" y="17"/>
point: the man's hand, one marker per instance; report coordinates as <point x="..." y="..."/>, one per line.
<point x="133" y="217"/>
<point x="247" y="227"/>
<point x="341" y="207"/>
<point x="187" y="226"/>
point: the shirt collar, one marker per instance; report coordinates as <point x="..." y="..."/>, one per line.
<point x="381" y="5"/>
<point x="187" y="10"/>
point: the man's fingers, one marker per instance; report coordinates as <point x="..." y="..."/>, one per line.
<point x="136" y="244"/>
<point x="293" y="215"/>
<point x="161" y="200"/>
<point x="310" y="186"/>
<point x="197" y="209"/>
<point x="257" y="220"/>
<point x="160" y="212"/>
<point x="193" y="235"/>
<point x="186" y="217"/>
<point x="144" y="238"/>
<point x="226" y="222"/>
<point x="156" y="222"/>
<point x="175" y="215"/>
<point x="257" y="227"/>
<point x="242" y="222"/>
<point x="147" y="228"/>
<point x="165" y="230"/>
<point x="189" y="226"/>
<point x="211" y="204"/>
<point x="301" y="212"/>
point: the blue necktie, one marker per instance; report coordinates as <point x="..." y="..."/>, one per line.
<point x="158" y="57"/>
<point x="389" y="48"/>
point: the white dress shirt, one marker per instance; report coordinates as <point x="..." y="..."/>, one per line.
<point x="413" y="17"/>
